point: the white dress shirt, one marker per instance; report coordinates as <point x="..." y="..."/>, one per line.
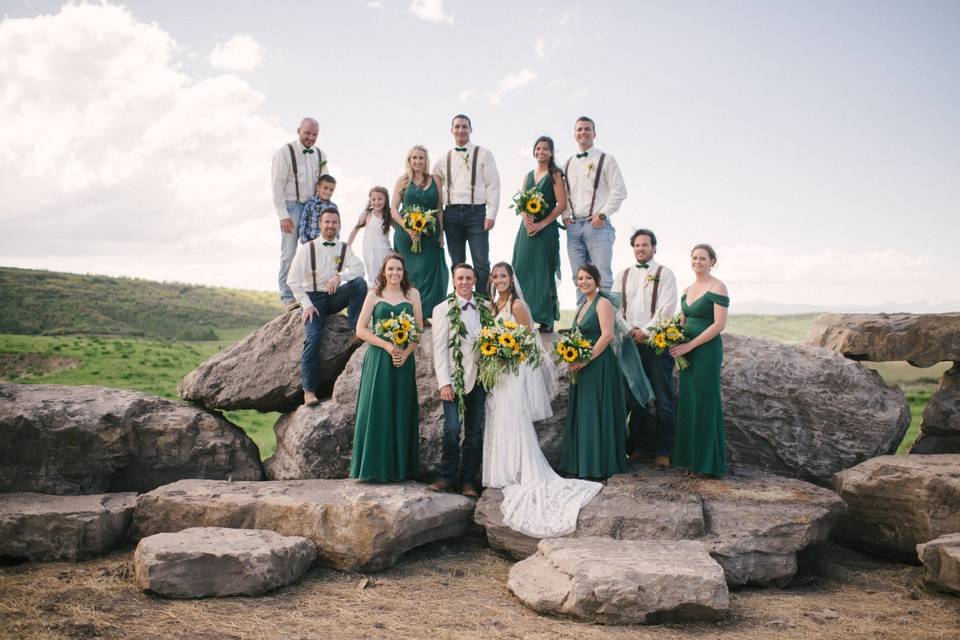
<point x="301" y="277"/>
<point x="581" y="173"/>
<point x="487" y="188"/>
<point x="443" y="364"/>
<point x="470" y="317"/>
<point x="310" y="166"/>
<point x="640" y="296"/>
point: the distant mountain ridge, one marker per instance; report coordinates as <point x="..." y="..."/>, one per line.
<point x="37" y="302"/>
<point x="762" y="307"/>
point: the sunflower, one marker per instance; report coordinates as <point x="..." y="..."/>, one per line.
<point x="673" y="333"/>
<point x="584" y="344"/>
<point x="507" y="340"/>
<point x="488" y="348"/>
<point x="570" y="354"/>
<point x="660" y="341"/>
<point x="418" y="222"/>
<point x="400" y="337"/>
<point x="405" y="324"/>
<point x="534" y="206"/>
<point x="510" y="324"/>
<point x="561" y="349"/>
<point x="486" y="333"/>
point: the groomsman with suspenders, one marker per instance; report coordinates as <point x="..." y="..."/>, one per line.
<point x="294" y="173"/>
<point x="648" y="290"/>
<point x="471" y="194"/>
<point x="595" y="189"/>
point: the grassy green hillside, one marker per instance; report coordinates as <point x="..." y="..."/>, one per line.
<point x="51" y="303"/>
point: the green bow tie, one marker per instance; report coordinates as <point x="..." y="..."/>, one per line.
<point x="464" y="149"/>
<point x="583" y="155"/>
<point x="308" y="150"/>
<point x="642" y="265"/>
<point x="329" y="244"/>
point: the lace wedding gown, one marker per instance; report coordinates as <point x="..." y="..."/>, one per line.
<point x="536" y="501"/>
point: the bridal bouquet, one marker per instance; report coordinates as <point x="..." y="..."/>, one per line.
<point x="666" y="333"/>
<point x="572" y="348"/>
<point x="398" y="330"/>
<point x="530" y="202"/>
<point x="420" y="222"/>
<point x="503" y="347"/>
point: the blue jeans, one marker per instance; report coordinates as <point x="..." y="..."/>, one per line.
<point x="652" y="434"/>
<point x="463" y="223"/>
<point x="288" y="248"/>
<point x="587" y="245"/>
<point x="472" y="438"/>
<point x="349" y="296"/>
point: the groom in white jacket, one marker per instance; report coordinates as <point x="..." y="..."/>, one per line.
<point x="465" y="306"/>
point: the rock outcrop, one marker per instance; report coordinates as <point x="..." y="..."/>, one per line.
<point x="920" y="339"/>
<point x="753" y="523"/>
<point x="622" y="581"/>
<point x="262" y="371"/>
<point x="941" y="563"/>
<point x="355" y="526"/>
<point x="895" y="503"/>
<point x="77" y="440"/>
<point x="940" y="428"/>
<point x="213" y="562"/>
<point x="39" y="527"/>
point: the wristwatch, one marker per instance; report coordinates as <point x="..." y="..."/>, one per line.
<point x="602" y="216"/>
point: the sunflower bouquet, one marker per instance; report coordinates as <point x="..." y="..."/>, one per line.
<point x="666" y="333"/>
<point x="529" y="202"/>
<point x="571" y="348"/>
<point x="503" y="347"/>
<point x="398" y="330"/>
<point x="421" y="222"/>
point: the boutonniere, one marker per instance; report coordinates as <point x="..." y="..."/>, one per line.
<point x="466" y="159"/>
<point x="323" y="163"/>
<point x="650" y="278"/>
<point x="337" y="261"/>
<point x="589" y="169"/>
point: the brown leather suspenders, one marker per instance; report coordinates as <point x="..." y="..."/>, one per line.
<point x="656" y="292"/>
<point x="293" y="163"/>
<point x="473" y="173"/>
<point x="596" y="183"/>
<point x="313" y="260"/>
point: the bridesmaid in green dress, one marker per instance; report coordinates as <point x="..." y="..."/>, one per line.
<point x="594" y="437"/>
<point x="428" y="269"/>
<point x="536" y="251"/>
<point x="386" y="441"/>
<point x="699" y="446"/>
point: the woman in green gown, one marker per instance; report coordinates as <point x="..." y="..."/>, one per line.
<point x="536" y="251"/>
<point x="594" y="436"/>
<point x="426" y="269"/>
<point x="386" y="442"/>
<point x="699" y="445"/>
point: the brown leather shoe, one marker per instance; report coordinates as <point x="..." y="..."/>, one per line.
<point x="310" y="399"/>
<point x="469" y="491"/>
<point x="439" y="486"/>
<point x="637" y="457"/>
<point x="661" y="462"/>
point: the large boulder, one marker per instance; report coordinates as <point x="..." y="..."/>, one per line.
<point x="316" y="442"/>
<point x="355" y="526"/>
<point x="205" y="562"/>
<point x="622" y="581"/>
<point x="753" y="523"/>
<point x="920" y="339"/>
<point x="40" y="527"/>
<point x="940" y="428"/>
<point x="805" y="412"/>
<point x="71" y="440"/>
<point x="941" y="563"/>
<point x="262" y="371"/>
<point x="895" y="503"/>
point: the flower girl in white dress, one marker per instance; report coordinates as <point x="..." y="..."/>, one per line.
<point x="375" y="222"/>
<point x="536" y="501"/>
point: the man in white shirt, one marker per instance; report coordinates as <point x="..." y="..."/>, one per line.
<point x="648" y="291"/>
<point x="294" y="173"/>
<point x="325" y="277"/>
<point x="595" y="192"/>
<point x="471" y="196"/>
<point x="474" y="395"/>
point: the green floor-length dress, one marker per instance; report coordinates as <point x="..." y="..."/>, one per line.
<point x="594" y="436"/>
<point x="699" y="444"/>
<point x="536" y="259"/>
<point x="427" y="270"/>
<point x="387" y="440"/>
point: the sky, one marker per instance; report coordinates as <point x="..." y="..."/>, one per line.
<point x="815" y="145"/>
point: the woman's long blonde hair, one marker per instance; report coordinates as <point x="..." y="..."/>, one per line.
<point x="408" y="170"/>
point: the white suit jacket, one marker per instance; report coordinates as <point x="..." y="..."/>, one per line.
<point x="442" y="357"/>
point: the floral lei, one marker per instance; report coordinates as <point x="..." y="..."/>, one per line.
<point x="456" y="339"/>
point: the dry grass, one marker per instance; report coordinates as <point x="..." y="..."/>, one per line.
<point x="457" y="590"/>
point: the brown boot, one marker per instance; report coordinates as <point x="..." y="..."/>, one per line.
<point x="470" y="491"/>
<point x="310" y="399"/>
<point x="439" y="486"/>
<point x="661" y="462"/>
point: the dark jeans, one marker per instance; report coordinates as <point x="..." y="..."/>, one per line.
<point x="463" y="223"/>
<point x="472" y="438"/>
<point x="349" y="296"/>
<point x="652" y="434"/>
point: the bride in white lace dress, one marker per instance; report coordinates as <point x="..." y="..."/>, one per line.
<point x="536" y="501"/>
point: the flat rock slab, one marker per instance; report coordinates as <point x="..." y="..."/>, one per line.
<point x="262" y="371"/>
<point x="622" y="581"/>
<point x="921" y="339"/>
<point x="940" y="427"/>
<point x="941" y="563"/>
<point x="753" y="523"/>
<point x="74" y="440"/>
<point x="895" y="503"/>
<point x="355" y="526"/>
<point x="39" y="527"/>
<point x="203" y="562"/>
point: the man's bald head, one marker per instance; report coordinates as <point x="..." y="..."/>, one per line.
<point x="308" y="131"/>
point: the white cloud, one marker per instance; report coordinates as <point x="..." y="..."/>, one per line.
<point x="466" y="94"/>
<point x="430" y="10"/>
<point x="540" y="47"/>
<point x="511" y="82"/>
<point x="239" y="53"/>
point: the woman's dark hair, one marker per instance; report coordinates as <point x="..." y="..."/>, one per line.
<point x="592" y="271"/>
<point x="382" y="274"/>
<point x="708" y="249"/>
<point x="552" y="167"/>
<point x="644" y="232"/>
<point x="386" y="210"/>
<point x="491" y="289"/>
